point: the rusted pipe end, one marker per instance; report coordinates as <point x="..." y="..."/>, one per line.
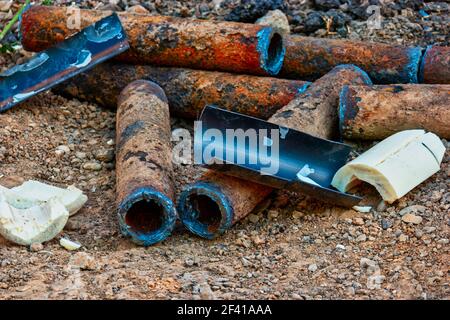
<point x="347" y="108"/>
<point x="205" y="210"/>
<point x="271" y="49"/>
<point x="147" y="216"/>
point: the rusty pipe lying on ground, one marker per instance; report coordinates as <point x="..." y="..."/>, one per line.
<point x="435" y="66"/>
<point x="376" y="112"/>
<point x="168" y="41"/>
<point x="144" y="186"/>
<point x="309" y="58"/>
<point x="188" y="91"/>
<point x="216" y="201"/>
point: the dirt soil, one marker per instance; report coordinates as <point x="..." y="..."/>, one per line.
<point x="291" y="247"/>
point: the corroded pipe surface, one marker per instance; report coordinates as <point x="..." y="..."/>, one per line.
<point x="144" y="184"/>
<point x="376" y="112"/>
<point x="309" y="58"/>
<point x="226" y="199"/>
<point x="435" y="67"/>
<point x="316" y="111"/>
<point x="167" y="41"/>
<point x="188" y="91"/>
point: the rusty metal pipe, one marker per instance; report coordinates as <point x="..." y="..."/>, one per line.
<point x="188" y="91"/>
<point x="309" y="58"/>
<point x="435" y="66"/>
<point x="216" y="201"/>
<point x="144" y="186"/>
<point x="376" y="112"/>
<point x="168" y="41"/>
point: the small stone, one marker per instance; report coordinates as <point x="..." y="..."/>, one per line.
<point x="412" y="218"/>
<point x="63" y="148"/>
<point x="340" y="247"/>
<point x="385" y="224"/>
<point x="272" y="214"/>
<point x="94" y="166"/>
<point x="327" y="4"/>
<point x="413" y="209"/>
<point x="189" y="262"/>
<point x="110" y="142"/>
<point x="84" y="261"/>
<point x="361" y="238"/>
<point x="429" y="229"/>
<point x="381" y="207"/>
<point x="312" y="267"/>
<point x="277" y="20"/>
<point x="366" y="263"/>
<point x="314" y="21"/>
<point x="253" y="218"/>
<point x="35" y="247"/>
<point x="358" y="221"/>
<point x="258" y="240"/>
<point x="297" y="214"/>
<point x="104" y="155"/>
<point x="418" y="234"/>
<point x="80" y="155"/>
<point x="403" y="238"/>
<point x="138" y="9"/>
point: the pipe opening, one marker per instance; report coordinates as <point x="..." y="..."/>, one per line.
<point x="207" y="211"/>
<point x="145" y="216"/>
<point x="275" y="50"/>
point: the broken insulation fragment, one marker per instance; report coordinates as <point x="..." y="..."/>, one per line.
<point x="69" y="244"/>
<point x="37" y="192"/>
<point x="36" y="212"/>
<point x="36" y="224"/>
<point x="395" y="165"/>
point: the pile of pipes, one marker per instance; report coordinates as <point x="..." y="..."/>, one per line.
<point x="319" y="89"/>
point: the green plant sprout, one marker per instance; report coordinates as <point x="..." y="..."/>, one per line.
<point x="13" y="20"/>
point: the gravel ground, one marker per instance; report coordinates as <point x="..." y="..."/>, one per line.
<point x="291" y="247"/>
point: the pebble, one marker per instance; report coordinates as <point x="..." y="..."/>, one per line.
<point x="358" y="221"/>
<point x="80" y="155"/>
<point x="35" y="247"/>
<point x="403" y="238"/>
<point x="312" y="267"/>
<point x="84" y="261"/>
<point x="413" y="209"/>
<point x="138" y="9"/>
<point x="381" y="207"/>
<point x="340" y="247"/>
<point x="104" y="155"/>
<point x="365" y="263"/>
<point x="386" y="224"/>
<point x="253" y="218"/>
<point x="297" y="214"/>
<point x="272" y="214"/>
<point x="411" y="218"/>
<point x="94" y="166"/>
<point x="361" y="238"/>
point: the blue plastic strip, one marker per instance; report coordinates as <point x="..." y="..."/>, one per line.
<point x="91" y="46"/>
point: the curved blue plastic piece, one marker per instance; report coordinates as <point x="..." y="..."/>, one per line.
<point x="91" y="46"/>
